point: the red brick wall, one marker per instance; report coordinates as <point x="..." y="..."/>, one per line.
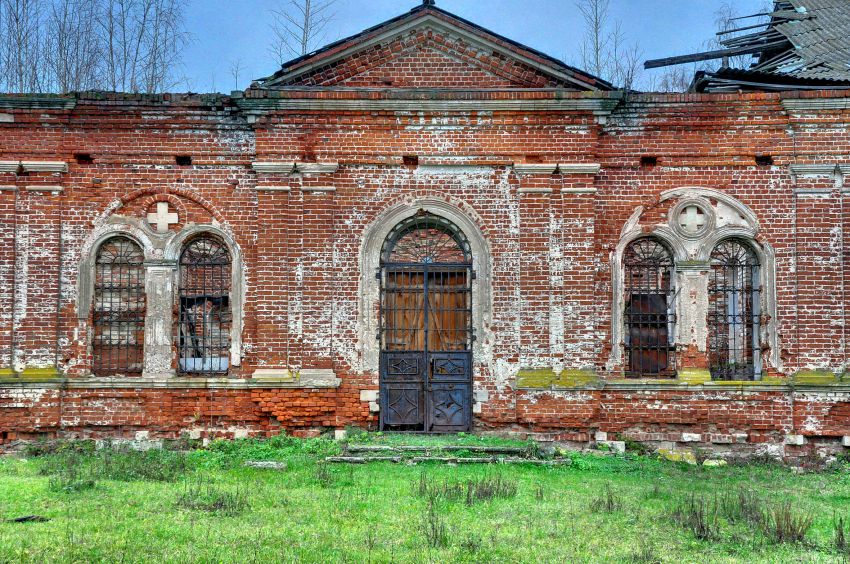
<point x="301" y="249"/>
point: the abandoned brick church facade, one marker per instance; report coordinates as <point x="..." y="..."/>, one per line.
<point x="427" y="227"/>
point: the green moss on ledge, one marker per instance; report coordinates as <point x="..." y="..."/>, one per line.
<point x="694" y="376"/>
<point x="38" y="374"/>
<point x="816" y="378"/>
<point x="581" y="378"/>
<point x="535" y="378"/>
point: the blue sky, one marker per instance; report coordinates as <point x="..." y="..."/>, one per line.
<point x="226" y="31"/>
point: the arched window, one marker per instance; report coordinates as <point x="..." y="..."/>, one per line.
<point x="119" y="308"/>
<point x="650" y="310"/>
<point x="426" y="326"/>
<point x="734" y="311"/>
<point x="204" y="316"/>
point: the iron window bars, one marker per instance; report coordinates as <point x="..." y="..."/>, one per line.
<point x="734" y="312"/>
<point x="650" y="317"/>
<point x="426" y="288"/>
<point x="205" y="316"/>
<point x="119" y="308"/>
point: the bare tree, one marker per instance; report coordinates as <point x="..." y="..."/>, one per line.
<point x="143" y="41"/>
<point x="66" y="45"/>
<point x="299" y="25"/>
<point x="20" y="45"/>
<point x="595" y="56"/>
<point x="604" y="50"/>
<point x="236" y="68"/>
<point x="625" y="61"/>
<point x="72" y="50"/>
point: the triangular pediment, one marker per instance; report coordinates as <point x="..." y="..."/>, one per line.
<point x="430" y="48"/>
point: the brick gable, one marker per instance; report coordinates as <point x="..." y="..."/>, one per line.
<point x="430" y="48"/>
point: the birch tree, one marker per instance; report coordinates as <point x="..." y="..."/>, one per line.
<point x="300" y="26"/>
<point x="604" y="50"/>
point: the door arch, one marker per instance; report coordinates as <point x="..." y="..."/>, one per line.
<point x="426" y="326"/>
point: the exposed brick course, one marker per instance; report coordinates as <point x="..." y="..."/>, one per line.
<point x="552" y="239"/>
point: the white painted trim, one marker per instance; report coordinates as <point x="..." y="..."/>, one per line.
<point x="579" y="190"/>
<point x="812" y="104"/>
<point x="9" y="188"/>
<point x="535" y="190"/>
<point x="320" y="189"/>
<point x="813" y="192"/>
<point x="7" y="118"/>
<point x="44" y="166"/>
<point x="439" y="26"/>
<point x="33" y="166"/>
<point x="274" y="189"/>
<point x="709" y="194"/>
<point x="305" y="378"/>
<point x="580" y="168"/>
<point x="54" y="189"/>
<point x="535" y="168"/>
<point x="819" y="169"/>
<point x="294" y="167"/>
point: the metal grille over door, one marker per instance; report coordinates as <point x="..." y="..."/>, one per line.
<point x="734" y="312"/>
<point x="119" y="308"/>
<point x="426" y="327"/>
<point x="650" y="310"/>
<point x="203" y="332"/>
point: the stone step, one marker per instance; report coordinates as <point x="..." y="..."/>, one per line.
<point x="437" y="448"/>
<point x="447" y="460"/>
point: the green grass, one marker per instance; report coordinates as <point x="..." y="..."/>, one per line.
<point x="112" y="505"/>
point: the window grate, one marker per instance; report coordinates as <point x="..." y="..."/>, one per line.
<point x="734" y="312"/>
<point x="119" y="308"/>
<point x="650" y="316"/>
<point x="205" y="317"/>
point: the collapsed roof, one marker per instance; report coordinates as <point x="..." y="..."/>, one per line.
<point x="805" y="45"/>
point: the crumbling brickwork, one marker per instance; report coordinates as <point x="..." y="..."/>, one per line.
<point x="552" y="185"/>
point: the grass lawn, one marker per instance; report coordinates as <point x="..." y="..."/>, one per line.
<point x="204" y="505"/>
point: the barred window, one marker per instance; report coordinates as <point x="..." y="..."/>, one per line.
<point x="734" y="311"/>
<point x="119" y="308"/>
<point x="649" y="310"/>
<point x="204" y="307"/>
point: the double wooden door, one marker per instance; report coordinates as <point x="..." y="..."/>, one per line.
<point x="426" y="348"/>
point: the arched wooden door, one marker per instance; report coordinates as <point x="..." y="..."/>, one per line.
<point x="426" y="327"/>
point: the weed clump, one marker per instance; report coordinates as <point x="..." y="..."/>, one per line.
<point x="698" y="516"/>
<point x="472" y="491"/>
<point x="783" y="524"/>
<point x="608" y="501"/>
<point x="208" y="497"/>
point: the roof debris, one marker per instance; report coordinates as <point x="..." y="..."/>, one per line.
<point x="804" y="46"/>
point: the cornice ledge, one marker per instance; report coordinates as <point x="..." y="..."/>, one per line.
<point x="33" y="166"/>
<point x="596" y="106"/>
<point x="37" y="102"/>
<point x="44" y="188"/>
<point x="580" y="168"/>
<point x="816" y="169"/>
<point x="535" y="168"/>
<point x="553" y="168"/>
<point x="294" y="167"/>
<point x="815" y="104"/>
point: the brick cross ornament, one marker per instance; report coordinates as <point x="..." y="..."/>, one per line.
<point x="163" y="218"/>
<point x="692" y="219"/>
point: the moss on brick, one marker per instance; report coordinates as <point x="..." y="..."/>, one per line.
<point x="39" y="374"/>
<point x="581" y="378"/>
<point x="816" y="378"/>
<point x="535" y="378"/>
<point x="694" y="376"/>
